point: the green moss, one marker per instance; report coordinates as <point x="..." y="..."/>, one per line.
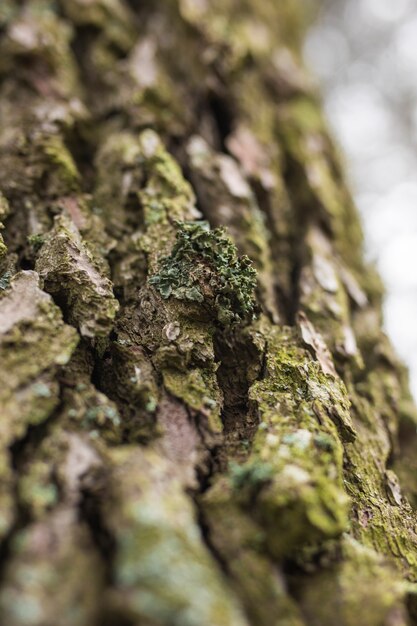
<point x="3" y="248"/>
<point x="293" y="375"/>
<point x="36" y="241"/>
<point x="62" y="161"/>
<point x="199" y="390"/>
<point x="204" y="267"/>
<point x="4" y="207"/>
<point x="167" y="195"/>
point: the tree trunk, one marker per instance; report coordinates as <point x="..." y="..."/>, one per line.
<point x="189" y="437"/>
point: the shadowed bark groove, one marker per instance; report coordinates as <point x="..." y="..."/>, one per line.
<point x="203" y="423"/>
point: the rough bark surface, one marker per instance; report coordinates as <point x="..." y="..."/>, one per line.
<point x="202" y="421"/>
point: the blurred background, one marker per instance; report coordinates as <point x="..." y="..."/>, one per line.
<point x="364" y="53"/>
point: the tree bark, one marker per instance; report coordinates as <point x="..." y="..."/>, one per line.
<point x="203" y="423"/>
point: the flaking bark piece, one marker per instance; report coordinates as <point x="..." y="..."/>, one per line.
<point x="294" y="470"/>
<point x="71" y="275"/>
<point x="228" y="200"/>
<point x="54" y="576"/>
<point x="361" y="588"/>
<point x="34" y="343"/>
<point x="30" y="325"/>
<point x="314" y="339"/>
<point x="163" y="573"/>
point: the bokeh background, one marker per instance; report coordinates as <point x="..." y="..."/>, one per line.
<point x="364" y="54"/>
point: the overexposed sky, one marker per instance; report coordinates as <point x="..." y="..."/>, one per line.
<point x="364" y="53"/>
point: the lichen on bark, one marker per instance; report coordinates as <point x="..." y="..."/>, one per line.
<point x="202" y="420"/>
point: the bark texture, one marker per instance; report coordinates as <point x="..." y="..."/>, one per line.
<point x="202" y="423"/>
